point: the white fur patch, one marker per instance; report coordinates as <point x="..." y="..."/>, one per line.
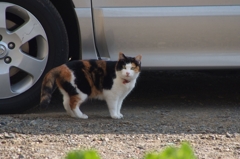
<point x="120" y="90"/>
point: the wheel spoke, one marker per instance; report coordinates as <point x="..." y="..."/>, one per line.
<point x="32" y="66"/>
<point x="30" y="30"/>
<point x="5" y="86"/>
<point x="3" y="8"/>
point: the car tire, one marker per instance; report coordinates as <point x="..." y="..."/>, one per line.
<point x="33" y="39"/>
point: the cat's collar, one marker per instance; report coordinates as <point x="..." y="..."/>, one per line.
<point x="125" y="81"/>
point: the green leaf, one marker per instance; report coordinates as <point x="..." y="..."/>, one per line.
<point x="184" y="152"/>
<point x="88" y="154"/>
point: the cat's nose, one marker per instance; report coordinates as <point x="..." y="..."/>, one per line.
<point x="127" y="73"/>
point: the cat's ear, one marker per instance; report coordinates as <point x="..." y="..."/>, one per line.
<point x="138" y="58"/>
<point x="121" y="56"/>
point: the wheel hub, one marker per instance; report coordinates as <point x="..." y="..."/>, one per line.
<point x="3" y="51"/>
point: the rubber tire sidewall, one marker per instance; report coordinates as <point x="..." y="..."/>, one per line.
<point x="56" y="33"/>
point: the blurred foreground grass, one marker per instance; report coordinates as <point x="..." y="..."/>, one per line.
<point x="183" y="152"/>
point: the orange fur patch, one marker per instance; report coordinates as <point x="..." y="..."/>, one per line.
<point x="44" y="97"/>
<point x="136" y="67"/>
<point x="74" y="100"/>
<point x="86" y="64"/>
<point x="58" y="83"/>
<point x="102" y="64"/>
<point x="64" y="74"/>
<point x="95" y="92"/>
<point x="86" y="71"/>
<point x="91" y="77"/>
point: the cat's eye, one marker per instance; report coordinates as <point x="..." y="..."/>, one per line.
<point x="124" y="67"/>
<point x="133" y="68"/>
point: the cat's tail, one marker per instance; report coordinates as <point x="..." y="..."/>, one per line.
<point x="48" y="86"/>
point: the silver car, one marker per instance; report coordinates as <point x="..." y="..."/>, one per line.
<point x="37" y="35"/>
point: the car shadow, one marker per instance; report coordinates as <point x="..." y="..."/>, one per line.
<point x="163" y="102"/>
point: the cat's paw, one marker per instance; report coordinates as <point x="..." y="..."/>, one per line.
<point x="82" y="116"/>
<point x="121" y="116"/>
<point x="116" y="116"/>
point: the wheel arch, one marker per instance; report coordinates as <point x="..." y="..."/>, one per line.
<point x="67" y="12"/>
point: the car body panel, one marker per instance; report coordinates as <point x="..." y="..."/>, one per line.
<point x="82" y="3"/>
<point x="84" y="14"/>
<point x="161" y="3"/>
<point x="168" y="34"/>
<point x="87" y="37"/>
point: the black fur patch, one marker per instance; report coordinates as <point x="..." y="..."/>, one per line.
<point x="110" y="75"/>
<point x="97" y="74"/>
<point x="68" y="87"/>
<point x="125" y="61"/>
<point x="81" y="81"/>
<point x="47" y="90"/>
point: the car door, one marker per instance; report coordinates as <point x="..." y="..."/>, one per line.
<point x="170" y="34"/>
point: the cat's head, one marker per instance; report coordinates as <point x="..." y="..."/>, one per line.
<point x="128" y="68"/>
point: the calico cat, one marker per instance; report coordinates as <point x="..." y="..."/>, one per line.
<point x="105" y="80"/>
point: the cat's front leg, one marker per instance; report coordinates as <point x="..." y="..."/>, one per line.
<point x="120" y="101"/>
<point x="113" y="108"/>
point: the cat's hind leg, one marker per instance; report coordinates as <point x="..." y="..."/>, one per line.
<point x="75" y="102"/>
<point x="67" y="107"/>
<point x="66" y="103"/>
